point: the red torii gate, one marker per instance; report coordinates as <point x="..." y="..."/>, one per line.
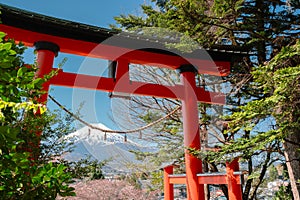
<point x="50" y="35"/>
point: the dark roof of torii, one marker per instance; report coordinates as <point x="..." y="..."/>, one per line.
<point x="19" y="18"/>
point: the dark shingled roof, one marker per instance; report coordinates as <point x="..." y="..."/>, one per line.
<point x="64" y="28"/>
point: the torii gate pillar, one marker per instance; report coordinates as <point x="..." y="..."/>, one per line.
<point x="46" y="52"/>
<point x="195" y="191"/>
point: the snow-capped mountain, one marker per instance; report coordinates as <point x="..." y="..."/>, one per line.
<point x="105" y="146"/>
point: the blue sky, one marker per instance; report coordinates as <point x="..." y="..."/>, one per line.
<point x="96" y="105"/>
<point x="93" y="12"/>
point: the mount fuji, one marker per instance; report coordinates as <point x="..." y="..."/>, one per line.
<point x="105" y="146"/>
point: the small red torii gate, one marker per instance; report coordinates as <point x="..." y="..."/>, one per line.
<point x="232" y="178"/>
<point x="50" y="35"/>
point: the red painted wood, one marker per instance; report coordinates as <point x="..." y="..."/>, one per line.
<point x="109" y="52"/>
<point x="204" y="178"/>
<point x="72" y="80"/>
<point x="168" y="187"/>
<point x="191" y="136"/>
<point x="234" y="188"/>
<point x="122" y="72"/>
<point x="45" y="59"/>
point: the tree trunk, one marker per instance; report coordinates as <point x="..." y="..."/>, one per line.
<point x="248" y="185"/>
<point x="292" y="156"/>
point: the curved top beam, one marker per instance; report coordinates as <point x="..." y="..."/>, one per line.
<point x="87" y="40"/>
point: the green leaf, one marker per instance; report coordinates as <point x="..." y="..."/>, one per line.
<point x="5" y="65"/>
<point x="21" y="71"/>
<point x="2" y="35"/>
<point x="9" y="132"/>
<point x="6" y="46"/>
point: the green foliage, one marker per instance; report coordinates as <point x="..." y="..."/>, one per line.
<point x="21" y="175"/>
<point x="21" y="180"/>
<point x="282" y="87"/>
<point x="283" y="193"/>
<point x="14" y="84"/>
<point x="85" y="169"/>
<point x="157" y="180"/>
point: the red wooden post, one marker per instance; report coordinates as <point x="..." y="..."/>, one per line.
<point x="46" y="51"/>
<point x="234" y="189"/>
<point x="168" y="188"/>
<point x="122" y="71"/>
<point x="195" y="191"/>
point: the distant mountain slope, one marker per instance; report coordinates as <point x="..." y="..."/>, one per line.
<point x="91" y="142"/>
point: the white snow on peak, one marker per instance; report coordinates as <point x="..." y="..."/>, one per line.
<point x="92" y="142"/>
<point x="94" y="136"/>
